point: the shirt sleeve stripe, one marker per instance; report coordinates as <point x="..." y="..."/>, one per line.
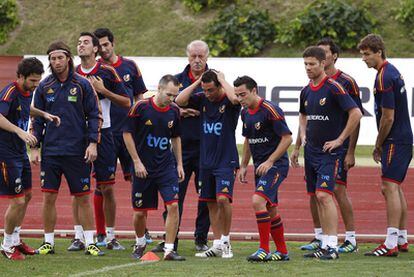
<point x="353" y="83"/>
<point x="273" y="111"/>
<point x="8" y="93"/>
<point x="134" y="108"/>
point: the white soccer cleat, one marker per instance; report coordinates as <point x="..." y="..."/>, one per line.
<point x="227" y="251"/>
<point x="214" y="251"/>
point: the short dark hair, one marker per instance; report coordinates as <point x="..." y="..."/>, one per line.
<point x="247" y="81"/>
<point x="327" y="41"/>
<point x="315" y="52"/>
<point x="166" y="79"/>
<point x="210" y="76"/>
<point x="373" y="42"/>
<point x="60" y="45"/>
<point x="104" y="32"/>
<point x="29" y="66"/>
<point x="95" y="40"/>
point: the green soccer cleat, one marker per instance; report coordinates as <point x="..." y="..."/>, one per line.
<point x="93" y="250"/>
<point x="347" y="247"/>
<point x="313" y="245"/>
<point x="45" y="249"/>
<point x="277" y="256"/>
<point x="259" y="256"/>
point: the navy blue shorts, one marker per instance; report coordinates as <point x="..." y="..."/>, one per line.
<point x="321" y="170"/>
<point x="105" y="164"/>
<point x="395" y="160"/>
<point x="216" y="182"/>
<point x="342" y="176"/>
<point x="145" y="191"/>
<point x="75" y="170"/>
<point x="267" y="186"/>
<point x="122" y="154"/>
<point x="12" y="174"/>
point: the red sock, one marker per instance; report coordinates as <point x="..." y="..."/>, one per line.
<point x="99" y="213"/>
<point x="263" y="224"/>
<point x="278" y="234"/>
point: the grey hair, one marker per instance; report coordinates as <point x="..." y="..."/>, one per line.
<point x="197" y="42"/>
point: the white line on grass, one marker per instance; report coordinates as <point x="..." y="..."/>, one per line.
<point x="110" y="268"/>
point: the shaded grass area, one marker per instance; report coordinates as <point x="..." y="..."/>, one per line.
<point x="65" y="263"/>
<point x="164" y="27"/>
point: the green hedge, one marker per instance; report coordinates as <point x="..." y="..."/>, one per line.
<point x="198" y="5"/>
<point x="240" y="31"/>
<point x="405" y="15"/>
<point x="8" y="18"/>
<point x="344" y="23"/>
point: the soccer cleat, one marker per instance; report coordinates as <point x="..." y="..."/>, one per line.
<point x="148" y="237"/>
<point x="173" y="256"/>
<point x="329" y="254"/>
<point x="313" y="245"/>
<point x="277" y="256"/>
<point x="213" y="251"/>
<point x="259" y="256"/>
<point x="25" y="249"/>
<point x="93" y="250"/>
<point x="227" y="251"/>
<point x="316" y="254"/>
<point x="12" y="253"/>
<point x="45" y="249"/>
<point x="159" y="248"/>
<point x="114" y="245"/>
<point x="383" y="251"/>
<point x="403" y="247"/>
<point x="347" y="247"/>
<point x="76" y="245"/>
<point x="201" y="246"/>
<point x="101" y="240"/>
<point x="138" y="251"/>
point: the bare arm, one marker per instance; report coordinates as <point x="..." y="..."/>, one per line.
<point x="349" y="160"/>
<point x="97" y="83"/>
<point x="184" y="96"/>
<point x="386" y="122"/>
<point x="176" y="146"/>
<point x="245" y="161"/>
<point x="283" y="146"/>
<point x="49" y="117"/>
<point x="6" y="125"/>
<point x="139" y="167"/>
<point x="228" y="89"/>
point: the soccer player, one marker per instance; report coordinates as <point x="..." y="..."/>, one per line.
<point x="111" y="90"/>
<point x="197" y="53"/>
<point x="324" y="107"/>
<point x="267" y="138"/>
<point x="219" y="112"/>
<point x="70" y="148"/>
<point x="393" y="146"/>
<point x="347" y="158"/>
<point x="16" y="174"/>
<point x="152" y="124"/>
<point x="132" y="78"/>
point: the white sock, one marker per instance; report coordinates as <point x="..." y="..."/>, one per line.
<point x="402" y="237"/>
<point x="324" y="239"/>
<point x="333" y="242"/>
<point x="392" y="237"/>
<point x="318" y="233"/>
<point x="7" y="240"/>
<point x="50" y="238"/>
<point x="110" y="233"/>
<point x="140" y="241"/>
<point x="225" y="239"/>
<point x="16" y="235"/>
<point x="88" y="234"/>
<point x="79" y="232"/>
<point x="168" y="248"/>
<point x="217" y="243"/>
<point x="351" y="237"/>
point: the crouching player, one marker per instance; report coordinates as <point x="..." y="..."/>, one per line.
<point x="267" y="138"/>
<point x="151" y="124"/>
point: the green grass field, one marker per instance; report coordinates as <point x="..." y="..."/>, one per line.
<point x="65" y="263"/>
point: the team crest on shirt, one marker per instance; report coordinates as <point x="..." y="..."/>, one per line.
<point x="73" y="91"/>
<point x="222" y="108"/>
<point x="322" y="101"/>
<point x="257" y="125"/>
<point x="50" y="91"/>
<point x="170" y="124"/>
<point x="126" y="77"/>
<point x="138" y="203"/>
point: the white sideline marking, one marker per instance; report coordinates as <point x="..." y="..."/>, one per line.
<point x="110" y="268"/>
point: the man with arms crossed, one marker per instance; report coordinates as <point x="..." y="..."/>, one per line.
<point x="130" y="74"/>
<point x="393" y="146"/>
<point x="16" y="175"/>
<point x="70" y="148"/>
<point x="267" y="138"/>
<point x="152" y="123"/>
<point x="219" y="112"/>
<point x="324" y="104"/>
